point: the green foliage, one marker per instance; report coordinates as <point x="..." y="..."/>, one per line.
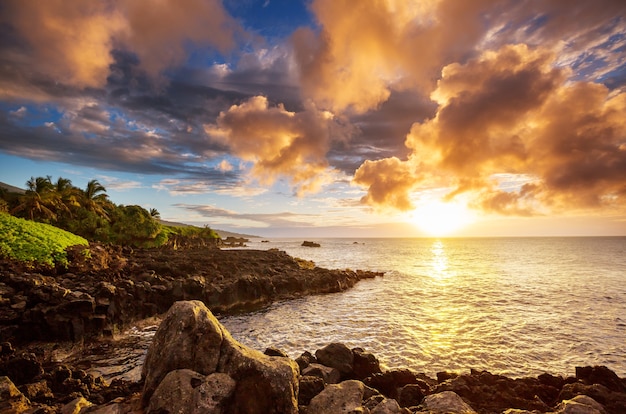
<point x="133" y="225"/>
<point x="183" y="236"/>
<point x="89" y="213"/>
<point x="33" y="242"/>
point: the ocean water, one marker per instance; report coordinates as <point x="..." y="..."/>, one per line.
<point x="512" y="306"/>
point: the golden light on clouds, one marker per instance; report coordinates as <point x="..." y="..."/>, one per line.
<point x="375" y="103"/>
<point x="511" y="111"/>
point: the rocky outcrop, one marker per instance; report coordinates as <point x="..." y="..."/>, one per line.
<point x="307" y="243"/>
<point x="195" y="366"/>
<point x="122" y="286"/>
<point x="195" y="360"/>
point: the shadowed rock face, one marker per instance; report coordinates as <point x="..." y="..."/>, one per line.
<point x="191" y="339"/>
<point x="118" y="287"/>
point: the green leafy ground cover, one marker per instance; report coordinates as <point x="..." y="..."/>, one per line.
<point x="33" y="242"/>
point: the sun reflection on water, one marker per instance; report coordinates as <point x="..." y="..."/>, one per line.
<point x="439" y="261"/>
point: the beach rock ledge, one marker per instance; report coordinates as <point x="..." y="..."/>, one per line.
<point x="120" y="286"/>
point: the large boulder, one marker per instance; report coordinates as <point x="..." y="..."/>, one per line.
<point x="184" y="390"/>
<point x="191" y="338"/>
<point x="345" y="397"/>
<point x="265" y="385"/>
<point x="338" y="356"/>
<point x="364" y="364"/>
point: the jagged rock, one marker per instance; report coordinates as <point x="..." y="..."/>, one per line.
<point x="307" y="243"/>
<point x="186" y="391"/>
<point x="410" y="395"/>
<point x="12" y="401"/>
<point x="22" y="369"/>
<point x="598" y="392"/>
<point x="338" y="356"/>
<point x="580" y="404"/>
<point x="305" y="360"/>
<point x="37" y="391"/>
<point x="271" y="351"/>
<point x="364" y="364"/>
<point x="447" y="402"/>
<point x="389" y="382"/>
<point x="600" y="375"/>
<point x="327" y="374"/>
<point x="345" y="397"/>
<point x="265" y="385"/>
<point x="309" y="387"/>
<point x="75" y="406"/>
<point x="191" y="338"/>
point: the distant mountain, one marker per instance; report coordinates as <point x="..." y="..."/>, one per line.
<point x="11" y="188"/>
<point x="222" y="233"/>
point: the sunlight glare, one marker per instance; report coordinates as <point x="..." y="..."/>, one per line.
<point x="441" y="219"/>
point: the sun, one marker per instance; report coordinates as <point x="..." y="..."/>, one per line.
<point x="437" y="218"/>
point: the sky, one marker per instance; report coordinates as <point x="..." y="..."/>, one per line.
<point x="326" y="118"/>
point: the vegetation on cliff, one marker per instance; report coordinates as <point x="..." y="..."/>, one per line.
<point x="90" y="213"/>
<point x="32" y="242"/>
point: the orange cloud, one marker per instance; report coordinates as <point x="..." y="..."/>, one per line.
<point x="365" y="49"/>
<point x="278" y="142"/>
<point x="157" y="30"/>
<point x="71" y="41"/>
<point x="389" y="182"/>
<point x="512" y="111"/>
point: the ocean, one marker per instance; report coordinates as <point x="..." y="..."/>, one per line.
<point x="511" y="306"/>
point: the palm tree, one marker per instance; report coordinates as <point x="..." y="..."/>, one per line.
<point x="95" y="198"/>
<point x="154" y="213"/>
<point x="39" y="201"/>
<point x="68" y="195"/>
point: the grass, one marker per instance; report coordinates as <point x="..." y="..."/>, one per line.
<point x="35" y="243"/>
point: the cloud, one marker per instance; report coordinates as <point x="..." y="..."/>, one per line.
<point x="278" y="142"/>
<point x="190" y="186"/>
<point x="237" y="219"/>
<point x="365" y="50"/>
<point x="512" y="111"/>
<point x="72" y="42"/>
<point x="157" y="31"/>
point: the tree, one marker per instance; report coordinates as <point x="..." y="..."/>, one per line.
<point x="154" y="213"/>
<point x="134" y="226"/>
<point x="95" y="198"/>
<point x="68" y="196"/>
<point x="40" y="201"/>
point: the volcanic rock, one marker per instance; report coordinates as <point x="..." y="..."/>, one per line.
<point x="191" y="338"/>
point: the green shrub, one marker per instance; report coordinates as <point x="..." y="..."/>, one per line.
<point x="33" y="242"/>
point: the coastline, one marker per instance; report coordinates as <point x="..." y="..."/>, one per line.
<point x="118" y="287"/>
<point x="321" y="381"/>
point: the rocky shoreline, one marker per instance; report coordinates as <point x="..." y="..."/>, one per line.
<point x="114" y="287"/>
<point x="194" y="365"/>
